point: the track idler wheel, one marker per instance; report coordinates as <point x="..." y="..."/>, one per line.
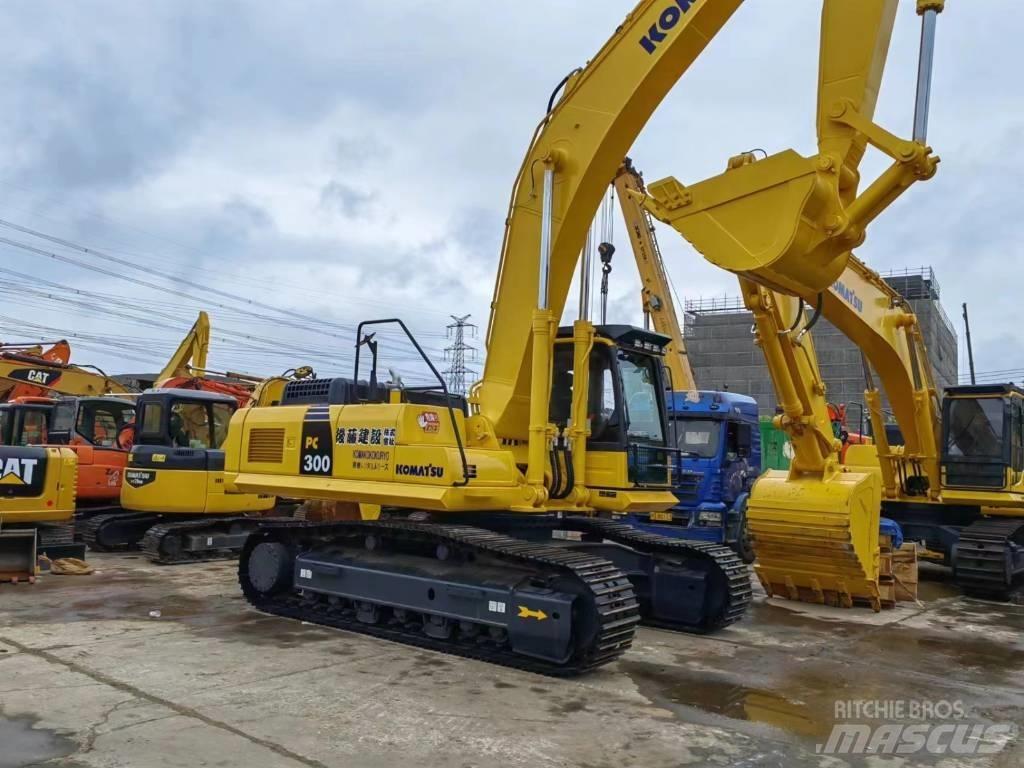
<point x="270" y="567"/>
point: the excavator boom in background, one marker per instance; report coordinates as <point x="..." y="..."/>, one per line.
<point x="716" y="433"/>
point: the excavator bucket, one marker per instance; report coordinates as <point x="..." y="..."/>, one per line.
<point x="762" y="220"/>
<point x="17" y="554"/>
<point x="817" y="542"/>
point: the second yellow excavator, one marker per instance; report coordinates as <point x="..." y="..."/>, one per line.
<point x="958" y="482"/>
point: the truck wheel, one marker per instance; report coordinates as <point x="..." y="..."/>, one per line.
<point x="744" y="545"/>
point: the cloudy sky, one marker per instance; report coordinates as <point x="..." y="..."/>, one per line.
<point x="313" y="164"/>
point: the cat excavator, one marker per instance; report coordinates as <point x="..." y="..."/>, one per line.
<point x="957" y="481"/>
<point x="42" y="483"/>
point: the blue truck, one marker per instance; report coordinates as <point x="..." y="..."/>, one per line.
<point x="719" y="442"/>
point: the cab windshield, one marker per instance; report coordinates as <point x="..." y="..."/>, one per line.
<point x="99" y="423"/>
<point x="640" y="392"/>
<point x="698" y="437"/>
<point x="975" y="428"/>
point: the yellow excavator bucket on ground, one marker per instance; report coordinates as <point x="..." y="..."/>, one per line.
<point x="817" y="542"/>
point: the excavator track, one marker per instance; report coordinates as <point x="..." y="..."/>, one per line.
<point x="219" y="538"/>
<point x="601" y="621"/>
<point x="728" y="574"/>
<point x="990" y="558"/>
<point x="116" y="531"/>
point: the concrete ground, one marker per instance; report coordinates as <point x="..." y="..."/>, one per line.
<point x="141" y="665"/>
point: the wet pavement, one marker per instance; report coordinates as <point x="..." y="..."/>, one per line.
<point x="141" y="665"/>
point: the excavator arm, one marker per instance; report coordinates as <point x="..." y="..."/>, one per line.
<point x="656" y="293"/>
<point x="31" y="376"/>
<point x="190" y="356"/>
<point x="786" y="226"/>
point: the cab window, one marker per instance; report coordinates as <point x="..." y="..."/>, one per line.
<point x="640" y="391"/>
<point x="100" y="423"/>
<point x="33" y="428"/>
<point x="975" y="428"/>
<point x="222" y="413"/>
<point x="152" y="419"/>
<point x="603" y="413"/>
<point x="5" y="426"/>
<point x="189" y="425"/>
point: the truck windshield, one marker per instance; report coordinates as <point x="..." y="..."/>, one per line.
<point x="698" y="437"/>
<point x="639" y="390"/>
<point x="975" y="427"/>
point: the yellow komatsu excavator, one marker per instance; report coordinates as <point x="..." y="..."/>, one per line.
<point x="956" y="483"/>
<point x="495" y="531"/>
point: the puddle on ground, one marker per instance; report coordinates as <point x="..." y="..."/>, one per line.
<point x="24" y="744"/>
<point x="675" y="688"/>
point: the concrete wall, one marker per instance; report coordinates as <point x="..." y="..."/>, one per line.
<point x="723" y="354"/>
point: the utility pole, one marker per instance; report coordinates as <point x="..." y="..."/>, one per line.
<point x="970" y="350"/>
<point x="458" y="353"/>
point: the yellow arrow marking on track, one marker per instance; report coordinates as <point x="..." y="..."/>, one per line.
<point x="527" y="613"/>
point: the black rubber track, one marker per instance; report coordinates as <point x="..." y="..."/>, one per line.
<point x="153" y="543"/>
<point x="980" y="568"/>
<point x="611" y="594"/>
<point x="92" y="531"/>
<point x="734" y="573"/>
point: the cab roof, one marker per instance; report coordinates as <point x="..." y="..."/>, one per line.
<point x="985" y="389"/>
<point x="195" y="395"/>
<point x="712" y="403"/>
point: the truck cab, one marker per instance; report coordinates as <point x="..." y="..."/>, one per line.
<point x="719" y="457"/>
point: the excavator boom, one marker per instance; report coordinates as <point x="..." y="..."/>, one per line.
<point x="656" y="293"/>
<point x="583" y="140"/>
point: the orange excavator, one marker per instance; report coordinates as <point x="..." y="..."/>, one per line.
<point x="837" y="416"/>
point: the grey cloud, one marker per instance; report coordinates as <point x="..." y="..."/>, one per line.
<point x="344" y="199"/>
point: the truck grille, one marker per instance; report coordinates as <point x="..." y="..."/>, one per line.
<point x="686" y="486"/>
<point x="266" y="445"/>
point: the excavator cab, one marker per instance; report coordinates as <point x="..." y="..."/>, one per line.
<point x="25" y="421"/>
<point x="96" y="428"/>
<point x="626" y="410"/>
<point x="177" y="463"/>
<point x="983" y="437"/>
